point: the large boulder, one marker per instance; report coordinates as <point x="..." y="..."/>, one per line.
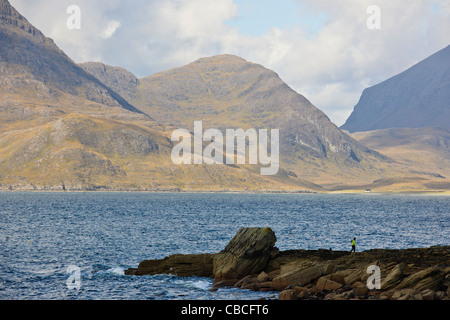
<point x="247" y="253"/>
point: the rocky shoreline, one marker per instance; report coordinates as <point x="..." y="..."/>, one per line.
<point x="251" y="261"/>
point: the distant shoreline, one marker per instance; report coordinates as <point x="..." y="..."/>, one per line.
<point x="373" y="193"/>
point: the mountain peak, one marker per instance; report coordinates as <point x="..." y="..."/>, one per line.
<point x="221" y="58"/>
<point x="12" y="20"/>
<point x="40" y="59"/>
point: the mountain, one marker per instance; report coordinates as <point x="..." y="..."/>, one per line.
<point x="418" y="97"/>
<point x="65" y="126"/>
<point x="60" y="127"/>
<point x="407" y="118"/>
<point x="228" y="92"/>
<point x="63" y="129"/>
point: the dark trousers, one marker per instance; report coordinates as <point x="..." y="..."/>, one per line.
<point x="353" y="249"/>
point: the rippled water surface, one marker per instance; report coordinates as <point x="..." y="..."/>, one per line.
<point x="42" y="234"/>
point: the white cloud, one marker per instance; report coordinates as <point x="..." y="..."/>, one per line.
<point x="110" y="29"/>
<point x="330" y="64"/>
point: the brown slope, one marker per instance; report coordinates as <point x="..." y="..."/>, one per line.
<point x="421" y="150"/>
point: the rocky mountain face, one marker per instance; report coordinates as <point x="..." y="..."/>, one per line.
<point x="416" y="98"/>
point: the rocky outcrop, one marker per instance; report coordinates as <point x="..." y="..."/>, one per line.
<point x="250" y="261"/>
<point x="247" y="253"/>
<point x="184" y="265"/>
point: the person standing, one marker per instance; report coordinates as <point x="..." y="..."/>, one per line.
<point x="353" y="245"/>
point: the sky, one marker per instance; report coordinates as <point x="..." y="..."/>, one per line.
<point x="326" y="50"/>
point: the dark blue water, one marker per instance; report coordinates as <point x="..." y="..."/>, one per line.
<point x="42" y="234"/>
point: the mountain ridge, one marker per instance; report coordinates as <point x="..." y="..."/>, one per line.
<point x="226" y="91"/>
<point x="95" y="127"/>
<point x="417" y="97"/>
<point x="46" y="62"/>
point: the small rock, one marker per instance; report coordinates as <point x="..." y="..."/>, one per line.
<point x="417" y="296"/>
<point x="265" y="286"/>
<point x="250" y="286"/>
<point x="357" y="284"/>
<point x="440" y="295"/>
<point x="313" y="289"/>
<point x="428" y="294"/>
<point x="263" y="277"/>
<point x="225" y="283"/>
<point x="347" y="287"/>
<point x="289" y="294"/>
<point x="326" y="284"/>
<point x="331" y="296"/>
<point x="337" y="277"/>
<point x="243" y="281"/>
<point x="300" y="289"/>
<point x="346" y="295"/>
<point x="404" y="294"/>
<point x="361" y="290"/>
<point x="386" y="295"/>
<point x="397" y="294"/>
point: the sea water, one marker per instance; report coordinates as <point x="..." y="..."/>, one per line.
<point x="43" y="234"/>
